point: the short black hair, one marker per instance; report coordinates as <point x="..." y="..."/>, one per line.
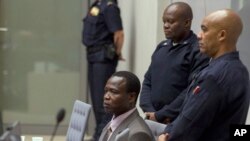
<point x="187" y="12"/>
<point x="132" y="81"/>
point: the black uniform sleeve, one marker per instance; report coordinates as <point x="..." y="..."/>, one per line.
<point x="112" y="18"/>
<point x="199" y="109"/>
<point x="145" y="97"/>
<point x="172" y="110"/>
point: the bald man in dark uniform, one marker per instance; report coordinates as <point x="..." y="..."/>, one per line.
<point x="219" y="95"/>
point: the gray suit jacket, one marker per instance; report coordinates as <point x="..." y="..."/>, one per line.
<point x="138" y="129"/>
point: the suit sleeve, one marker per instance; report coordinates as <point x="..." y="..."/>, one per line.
<point x="145" y="97"/>
<point x="198" y="111"/>
<point x="198" y="61"/>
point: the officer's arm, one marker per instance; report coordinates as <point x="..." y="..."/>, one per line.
<point x="118" y="41"/>
<point x="145" y="96"/>
<point x="169" y="112"/>
<point x="114" y="24"/>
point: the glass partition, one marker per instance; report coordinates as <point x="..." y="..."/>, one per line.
<point x="40" y="59"/>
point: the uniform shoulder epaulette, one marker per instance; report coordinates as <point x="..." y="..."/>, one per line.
<point x="164" y="43"/>
<point x="110" y="2"/>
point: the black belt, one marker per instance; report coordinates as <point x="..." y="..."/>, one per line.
<point x="93" y="49"/>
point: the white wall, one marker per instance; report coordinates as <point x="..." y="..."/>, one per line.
<point x="143" y="31"/>
<point x="140" y="27"/>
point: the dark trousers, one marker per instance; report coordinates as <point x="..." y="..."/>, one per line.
<point x="98" y="74"/>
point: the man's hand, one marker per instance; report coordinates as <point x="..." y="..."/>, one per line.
<point x="120" y="57"/>
<point x="150" y="116"/>
<point x="163" y="137"/>
<point x="167" y="121"/>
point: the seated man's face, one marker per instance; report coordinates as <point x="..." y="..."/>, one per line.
<point x="116" y="99"/>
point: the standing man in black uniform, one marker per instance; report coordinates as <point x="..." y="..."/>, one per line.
<point x="172" y="65"/>
<point x="218" y="96"/>
<point x="103" y="36"/>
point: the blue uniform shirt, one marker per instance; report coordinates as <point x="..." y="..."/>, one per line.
<point x="168" y="76"/>
<point x="102" y="20"/>
<point x="218" y="97"/>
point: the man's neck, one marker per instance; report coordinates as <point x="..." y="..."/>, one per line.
<point x="182" y="38"/>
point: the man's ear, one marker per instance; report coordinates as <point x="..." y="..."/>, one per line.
<point x="132" y="97"/>
<point x="188" y="23"/>
<point x="222" y="35"/>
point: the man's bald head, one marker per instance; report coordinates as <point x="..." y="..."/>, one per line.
<point x="229" y="21"/>
<point x="220" y="31"/>
<point x="184" y="9"/>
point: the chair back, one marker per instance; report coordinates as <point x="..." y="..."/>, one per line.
<point x="78" y="121"/>
<point x="12" y="133"/>
<point x="155" y="127"/>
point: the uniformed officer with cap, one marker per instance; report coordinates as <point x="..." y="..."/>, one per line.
<point x="103" y="36"/>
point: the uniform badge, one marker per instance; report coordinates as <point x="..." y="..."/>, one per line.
<point x="94" y="11"/>
<point x="196" y="90"/>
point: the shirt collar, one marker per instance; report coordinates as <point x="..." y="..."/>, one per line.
<point x="115" y="122"/>
<point x="188" y="40"/>
<point x="227" y="56"/>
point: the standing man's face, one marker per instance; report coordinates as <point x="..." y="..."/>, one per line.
<point x="173" y="24"/>
<point x="116" y="99"/>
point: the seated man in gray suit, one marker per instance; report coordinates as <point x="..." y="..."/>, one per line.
<point x="121" y="93"/>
